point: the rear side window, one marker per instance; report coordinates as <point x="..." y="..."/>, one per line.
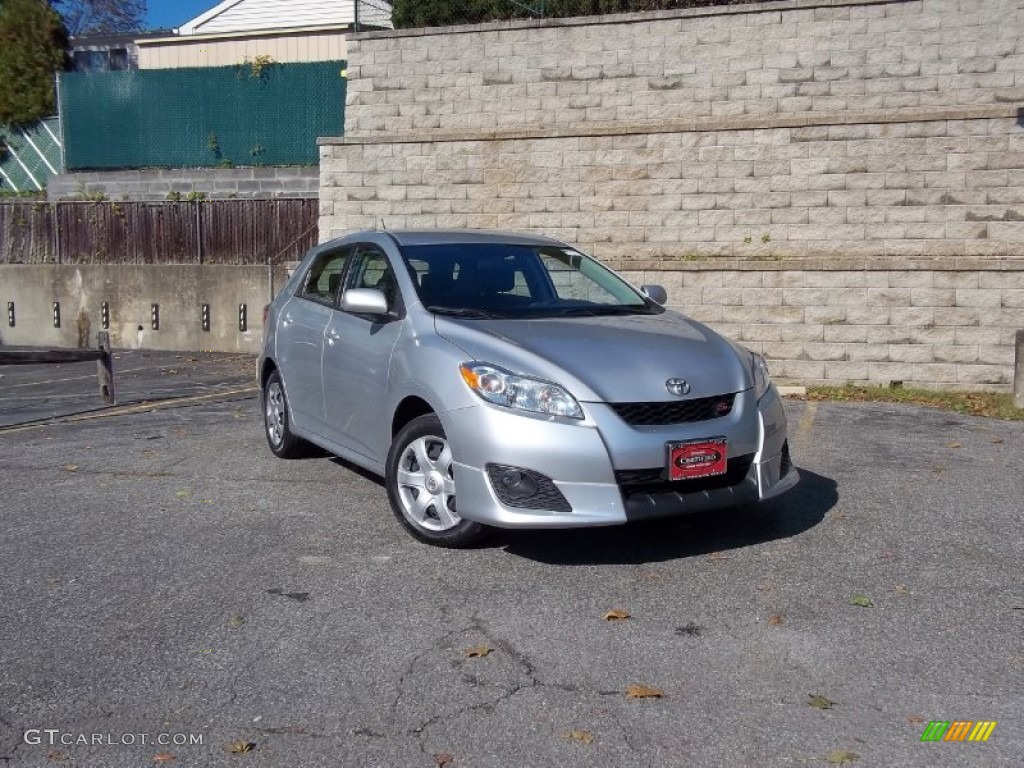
<point x="324" y="277"/>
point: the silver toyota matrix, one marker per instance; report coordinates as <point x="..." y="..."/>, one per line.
<point x="508" y="380"/>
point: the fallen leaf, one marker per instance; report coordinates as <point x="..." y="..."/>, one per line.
<point x="184" y="493"/>
<point x="584" y="737"/>
<point x="149" y="452"/>
<point x="443" y="758"/>
<point x="717" y="556"/>
<point x="775" y="620"/>
<point x="954" y="444"/>
<point x="640" y="691"/>
<point x="862" y="601"/>
<point x="239" y="747"/>
<point x="842" y="757"/>
<point x="690" y="629"/>
<point x="819" y="702"/>
<point x="164" y="757"/>
<point x="236" y="621"/>
<point x="70" y="467"/>
<point x="478" y="651"/>
<point x="997" y="440"/>
<point x="901" y="589"/>
<point x="53" y="581"/>
<point x="887" y="554"/>
<point x="616" y="615"/>
<point x="57" y="756"/>
<point x="915" y="719"/>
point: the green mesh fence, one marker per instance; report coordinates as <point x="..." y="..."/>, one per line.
<point x="29" y="155"/>
<point x="251" y="114"/>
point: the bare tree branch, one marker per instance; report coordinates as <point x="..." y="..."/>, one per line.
<point x="85" y="16"/>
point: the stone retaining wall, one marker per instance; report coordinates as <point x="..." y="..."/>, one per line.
<point x="839" y="183"/>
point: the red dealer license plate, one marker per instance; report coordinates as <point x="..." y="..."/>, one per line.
<point x="705" y="457"/>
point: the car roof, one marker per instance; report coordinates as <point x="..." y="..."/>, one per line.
<point x="457" y="236"/>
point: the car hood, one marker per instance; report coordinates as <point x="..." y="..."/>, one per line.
<point x="611" y="359"/>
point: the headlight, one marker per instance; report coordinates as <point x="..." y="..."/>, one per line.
<point x="501" y="387"/>
<point x="761" y="378"/>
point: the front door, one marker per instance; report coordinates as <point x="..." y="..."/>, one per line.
<point x="357" y="354"/>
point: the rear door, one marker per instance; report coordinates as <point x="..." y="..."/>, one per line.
<point x="357" y="355"/>
<point x="300" y="338"/>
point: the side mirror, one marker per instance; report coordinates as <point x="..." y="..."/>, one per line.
<point x="655" y="293"/>
<point x="364" y="301"/>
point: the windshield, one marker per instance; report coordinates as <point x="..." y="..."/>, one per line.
<point x="508" y="281"/>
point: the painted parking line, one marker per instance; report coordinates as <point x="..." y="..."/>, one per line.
<point x="126" y="410"/>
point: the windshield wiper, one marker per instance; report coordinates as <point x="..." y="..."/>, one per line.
<point x="597" y="311"/>
<point x="463" y="312"/>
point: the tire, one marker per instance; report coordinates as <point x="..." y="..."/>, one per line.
<point x="421" y="486"/>
<point x="276" y="424"/>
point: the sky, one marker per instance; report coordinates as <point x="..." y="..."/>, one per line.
<point x="165" y="14"/>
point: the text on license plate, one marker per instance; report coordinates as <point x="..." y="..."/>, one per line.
<point x="704" y="457"/>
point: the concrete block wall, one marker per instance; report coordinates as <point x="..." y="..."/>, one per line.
<point x="947" y="325"/>
<point x="131" y="290"/>
<point x="921" y="189"/>
<point x="165" y="184"/>
<point x="801" y="58"/>
<point x="824" y="140"/>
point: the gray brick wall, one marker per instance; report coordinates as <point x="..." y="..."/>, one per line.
<point x="797" y="58"/>
<point x="770" y="150"/>
<point x="210" y="183"/>
<point x="843" y="320"/>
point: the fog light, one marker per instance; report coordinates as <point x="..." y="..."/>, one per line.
<point x="516" y="483"/>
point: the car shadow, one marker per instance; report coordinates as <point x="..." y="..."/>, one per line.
<point x="657" y="541"/>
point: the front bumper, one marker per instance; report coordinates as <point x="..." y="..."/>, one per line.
<point x="603" y="467"/>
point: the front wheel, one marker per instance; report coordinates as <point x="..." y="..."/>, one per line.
<point x="421" y="486"/>
<point x="277" y="426"/>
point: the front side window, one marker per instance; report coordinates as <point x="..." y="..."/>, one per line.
<point x="369" y="268"/>
<point x="324" y="277"/>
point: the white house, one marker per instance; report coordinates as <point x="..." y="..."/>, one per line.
<point x="285" y="30"/>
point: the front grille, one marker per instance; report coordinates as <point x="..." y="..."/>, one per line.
<point x="675" y="412"/>
<point x="546" y="497"/>
<point x="652" y="481"/>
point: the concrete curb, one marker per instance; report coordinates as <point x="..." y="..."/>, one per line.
<point x="792" y="391"/>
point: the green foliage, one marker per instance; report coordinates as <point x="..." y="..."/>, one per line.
<point x="437" y="13"/>
<point x="32" y="48"/>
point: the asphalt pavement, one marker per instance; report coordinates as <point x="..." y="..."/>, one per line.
<point x="165" y="579"/>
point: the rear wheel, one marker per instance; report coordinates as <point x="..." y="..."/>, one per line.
<point x="421" y="486"/>
<point x="283" y="443"/>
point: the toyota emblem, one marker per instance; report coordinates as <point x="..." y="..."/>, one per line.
<point x="678" y="386"/>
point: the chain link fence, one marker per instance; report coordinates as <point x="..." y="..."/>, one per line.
<point x="404" y="14"/>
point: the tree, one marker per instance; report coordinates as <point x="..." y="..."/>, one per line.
<point x="33" y="45"/>
<point x="437" y="13"/>
<point x="85" y="16"/>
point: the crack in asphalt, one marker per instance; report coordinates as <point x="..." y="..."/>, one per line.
<point x="527" y="668"/>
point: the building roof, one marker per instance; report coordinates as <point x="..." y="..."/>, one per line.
<point x="250" y="15"/>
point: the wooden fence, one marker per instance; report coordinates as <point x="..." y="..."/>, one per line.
<point x="186" y="232"/>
